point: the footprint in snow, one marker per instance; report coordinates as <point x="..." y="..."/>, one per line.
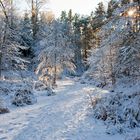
<point x="31" y="117"/>
<point x="1" y="131"/>
<point x="3" y="138"/>
<point x="10" y="129"/>
<point x="13" y="118"/>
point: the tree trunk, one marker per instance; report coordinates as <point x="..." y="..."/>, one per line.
<point x="55" y="72"/>
<point x="11" y="18"/>
<point x="0" y="63"/>
<point x="86" y="55"/>
<point x="34" y="18"/>
<point x="4" y="11"/>
<point x="138" y="16"/>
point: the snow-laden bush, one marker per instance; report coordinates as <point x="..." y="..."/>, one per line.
<point x="120" y="110"/>
<point x="23" y="97"/>
<point x="3" y="108"/>
<point x="41" y="87"/>
<point x="133" y="135"/>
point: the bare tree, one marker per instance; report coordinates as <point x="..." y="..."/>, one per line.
<point x="35" y="6"/>
<point x="0" y="63"/>
<point x="3" y="7"/>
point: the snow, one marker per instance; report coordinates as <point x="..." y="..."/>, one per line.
<point x="64" y="116"/>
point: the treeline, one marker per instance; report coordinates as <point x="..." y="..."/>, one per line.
<point x="106" y="42"/>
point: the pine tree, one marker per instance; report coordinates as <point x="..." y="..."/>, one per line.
<point x="26" y="30"/>
<point x="86" y="35"/>
<point x="123" y="2"/>
<point x="99" y="15"/>
<point x="70" y="17"/>
<point x="110" y="9"/>
<point x="63" y="16"/>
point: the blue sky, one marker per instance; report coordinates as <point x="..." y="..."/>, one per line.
<point x="83" y="7"/>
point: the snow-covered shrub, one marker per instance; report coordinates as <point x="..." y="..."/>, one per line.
<point x="24" y="97"/>
<point x="4" y="90"/>
<point x="40" y="86"/>
<point x="120" y="110"/>
<point x="3" y="108"/>
<point x="134" y="135"/>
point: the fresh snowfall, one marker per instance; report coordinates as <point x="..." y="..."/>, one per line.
<point x="74" y="77"/>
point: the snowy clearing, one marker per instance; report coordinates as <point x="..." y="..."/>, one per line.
<point x="65" y="116"/>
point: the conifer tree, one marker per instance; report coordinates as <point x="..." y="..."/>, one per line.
<point x="99" y="15"/>
<point x="70" y="17"/>
<point x="26" y="33"/>
<point x="111" y="7"/>
<point x="63" y="16"/>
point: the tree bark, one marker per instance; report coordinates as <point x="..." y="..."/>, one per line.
<point x="0" y="63"/>
<point x="4" y="11"/>
<point x="55" y="72"/>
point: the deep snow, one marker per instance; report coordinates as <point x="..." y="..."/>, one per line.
<point x="64" y="116"/>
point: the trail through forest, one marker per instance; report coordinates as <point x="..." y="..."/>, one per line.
<point x="64" y="116"/>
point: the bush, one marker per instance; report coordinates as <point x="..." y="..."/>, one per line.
<point x="39" y="86"/>
<point x="24" y="97"/>
<point x="3" y="108"/>
<point x="120" y="111"/>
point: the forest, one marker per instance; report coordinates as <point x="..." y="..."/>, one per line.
<point x="72" y="77"/>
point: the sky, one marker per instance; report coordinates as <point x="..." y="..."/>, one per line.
<point x="78" y="6"/>
<point x="83" y="7"/>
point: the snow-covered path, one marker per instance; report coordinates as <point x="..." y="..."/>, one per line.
<point x="64" y="116"/>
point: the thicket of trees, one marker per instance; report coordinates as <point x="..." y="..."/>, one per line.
<point x="115" y="65"/>
<point x="117" y="54"/>
<point x="106" y="42"/>
<point x="104" y="45"/>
